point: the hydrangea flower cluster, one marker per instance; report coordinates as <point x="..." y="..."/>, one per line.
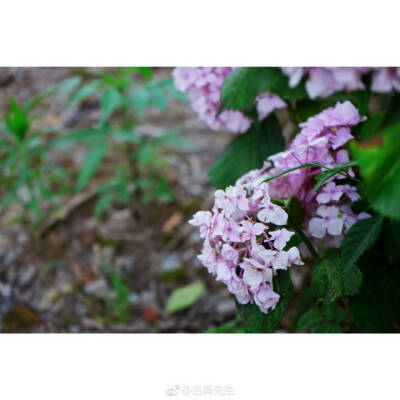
<point x="385" y="80"/>
<point x="202" y="86"/>
<point x="324" y="81"/>
<point x="321" y="140"/>
<point x="245" y="243"/>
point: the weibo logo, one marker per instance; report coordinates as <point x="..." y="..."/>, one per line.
<point x="172" y="391"/>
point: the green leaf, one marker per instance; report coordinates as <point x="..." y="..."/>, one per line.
<point x="392" y="113"/>
<point x="110" y="100"/>
<point x="146" y="72"/>
<point x="371" y="127"/>
<point x="84" y="135"/>
<point x="326" y="280"/>
<point x="255" y="320"/>
<point x="229" y="327"/>
<point x="301" y="166"/>
<point x="379" y="162"/>
<point x="377" y="307"/>
<point x="36" y="100"/>
<point x="391" y="239"/>
<point x="334" y="312"/>
<point x="17" y="121"/>
<point x="9" y="160"/>
<point x="172" y="138"/>
<point x="162" y="191"/>
<point x="360" y="237"/>
<point x="66" y="86"/>
<point x="126" y="136"/>
<point x="380" y="121"/>
<point x="146" y="153"/>
<point x="120" y="81"/>
<point x="90" y="165"/>
<point x="141" y="100"/>
<point x="306" y="108"/>
<point x="121" y="303"/>
<point x="295" y="210"/>
<point x="159" y="99"/>
<point x="325" y="319"/>
<point x="321" y="178"/>
<point x="328" y="327"/>
<point x="246" y="152"/>
<point x="103" y="203"/>
<point x="309" y="320"/>
<point x="331" y="279"/>
<point x="83" y="92"/>
<point x="243" y="85"/>
<point x="184" y="297"/>
<point x="173" y="92"/>
<point x="351" y="279"/>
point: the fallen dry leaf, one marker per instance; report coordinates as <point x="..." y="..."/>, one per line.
<point x="172" y="222"/>
<point x="150" y="315"/>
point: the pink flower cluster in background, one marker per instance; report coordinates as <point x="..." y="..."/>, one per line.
<point x="321" y="140"/>
<point x="244" y="242"/>
<point x="324" y="81"/>
<point x="202" y="86"/>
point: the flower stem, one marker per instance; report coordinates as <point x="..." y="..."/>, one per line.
<point x="303" y="238"/>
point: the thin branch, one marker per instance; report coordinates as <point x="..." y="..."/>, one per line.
<point x="304" y="238"/>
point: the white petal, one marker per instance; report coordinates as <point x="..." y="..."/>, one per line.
<point x="323" y="198"/>
<point x="279" y="216"/>
<point x="201" y="218"/>
<point x="254" y="263"/>
<point x="294" y="256"/>
<point x="252" y="277"/>
<point x="317" y="228"/>
<point x="223" y="272"/>
<point x="258" y="228"/>
<point x="263" y="215"/>
<point x="335" y="226"/>
<point x="281" y="261"/>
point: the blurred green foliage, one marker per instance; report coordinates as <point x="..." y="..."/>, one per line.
<point x="124" y="96"/>
<point x="31" y="177"/>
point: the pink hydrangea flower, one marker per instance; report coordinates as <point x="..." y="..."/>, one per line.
<point x="242" y="249"/>
<point x="281" y="237"/>
<point x="273" y="213"/>
<point x="266" y="103"/>
<point x="386" y="79"/>
<point x="324" y="81"/>
<point x="320" y="141"/>
<point x="295" y="74"/>
<point x="202" y="86"/>
<point x="265" y="297"/>
<point x="328" y="220"/>
<point x="234" y="121"/>
<point x="330" y="192"/>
